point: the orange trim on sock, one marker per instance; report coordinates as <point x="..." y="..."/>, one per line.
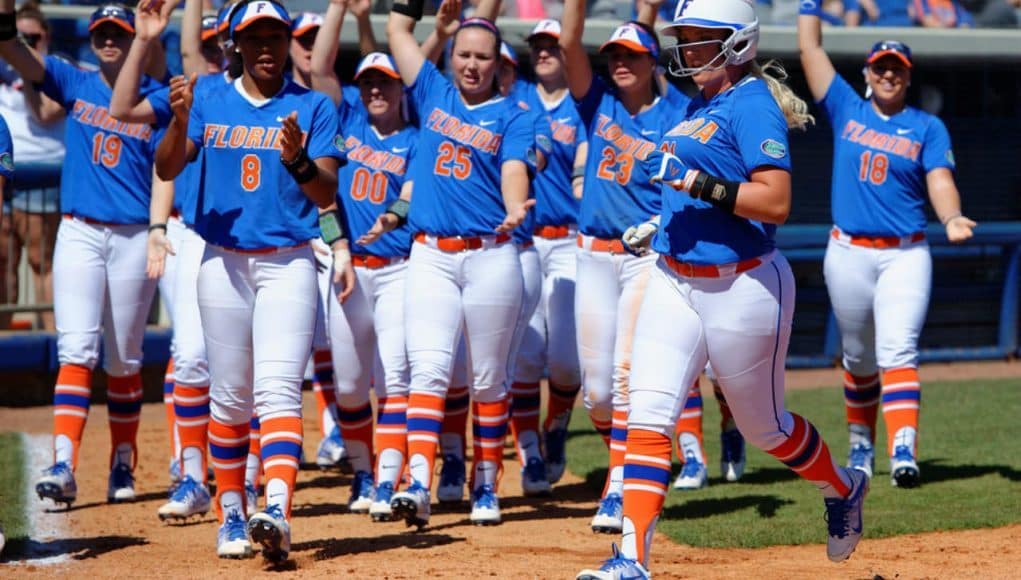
<point x="524" y="412"/>
<point x="690" y="420"/>
<point x="560" y="401"/>
<point x="281" y="452"/>
<point x="193" y="421"/>
<point x="228" y="446"/>
<point x="490" y="421"/>
<point x="124" y="405"/>
<point x="807" y="454"/>
<point x="861" y="400"/>
<point x="902" y="400"/>
<point x="168" y="403"/>
<point x="72" y="394"/>
<point x="392" y="430"/>
<point x="646" y="478"/>
<point x="455" y="415"/>
<point x="425" y="419"/>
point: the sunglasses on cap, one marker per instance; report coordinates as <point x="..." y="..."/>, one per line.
<point x="890" y="48"/>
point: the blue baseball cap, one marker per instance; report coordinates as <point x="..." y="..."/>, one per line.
<point x="245" y="14"/>
<point x="890" y="48"/>
<point x="508" y="53"/>
<point x="113" y="13"/>
<point x="633" y="37"/>
<point x="380" y="61"/>
<point x="305" y="22"/>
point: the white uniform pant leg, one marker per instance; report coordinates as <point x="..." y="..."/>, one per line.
<point x="559" y="261"/>
<point x="851" y="274"/>
<point x="634" y="279"/>
<point x="491" y="300"/>
<point x="528" y="343"/>
<point x="902" y="300"/>
<point x="168" y="281"/>
<point x="190" y="365"/>
<point x="286" y="299"/>
<point x="432" y="317"/>
<point x="129" y="296"/>
<point x="79" y="291"/>
<point x="352" y="341"/>
<point x="324" y="280"/>
<point x="596" y="298"/>
<point x="388" y="317"/>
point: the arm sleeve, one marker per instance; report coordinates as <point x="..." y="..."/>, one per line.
<point x="429" y="83"/>
<point x="6" y="152"/>
<point x="588" y="105"/>
<point x="760" y="131"/>
<point x="159" y="100"/>
<point x="519" y="140"/>
<point x="836" y="101"/>
<point x="196" y="125"/>
<point x="324" y="138"/>
<point x="61" y="80"/>
<point x="937" y="151"/>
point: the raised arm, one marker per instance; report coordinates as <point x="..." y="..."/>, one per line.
<point x="324" y="52"/>
<point x="819" y="70"/>
<point x="946" y="201"/>
<point x="124" y="103"/>
<point x="578" y="68"/>
<point x="448" y="19"/>
<point x="29" y="63"/>
<point x="156" y="63"/>
<point x="361" y="9"/>
<point x="648" y="11"/>
<point x="175" y="149"/>
<point x="488" y="9"/>
<point x="191" y="38"/>
<point x="400" y="28"/>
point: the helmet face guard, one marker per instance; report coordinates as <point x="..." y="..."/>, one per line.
<point x="735" y="16"/>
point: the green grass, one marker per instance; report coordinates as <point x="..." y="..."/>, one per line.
<point x="12" y="486"/>
<point x="970" y="461"/>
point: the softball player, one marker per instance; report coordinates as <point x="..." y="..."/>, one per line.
<point x="720" y="292"/>
<point x="269" y="149"/>
<point x="624" y="121"/>
<point x="467" y="199"/>
<point x="878" y="269"/>
<point x="6" y="172"/>
<point x="369" y="324"/>
<point x="100" y="258"/>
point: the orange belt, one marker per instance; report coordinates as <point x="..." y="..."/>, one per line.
<point x="526" y="244"/>
<point x="710" y="271"/>
<point x="93" y="222"/>
<point x="460" y="244"/>
<point x="372" y="262"/>
<point x="614" y="246"/>
<point x="552" y="232"/>
<point x="264" y="251"/>
<point x="878" y="242"/>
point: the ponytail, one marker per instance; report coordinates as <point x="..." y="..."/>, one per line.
<point x="795" y="110"/>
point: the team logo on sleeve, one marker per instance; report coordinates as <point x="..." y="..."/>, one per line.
<point x="544" y="143"/>
<point x="773" y="148"/>
<point x="6" y="161"/>
<point x="950" y="158"/>
<point x="338" y="142"/>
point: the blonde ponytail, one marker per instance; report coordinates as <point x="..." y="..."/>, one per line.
<point x="795" y="110"/>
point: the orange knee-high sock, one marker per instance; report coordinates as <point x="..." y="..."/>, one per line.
<point x="489" y="430"/>
<point x="559" y="405"/>
<point x="618" y="447"/>
<point x="726" y="416"/>
<point x="425" y="419"/>
<point x="902" y="399"/>
<point x="253" y="468"/>
<point x="646" y="477"/>
<point x="455" y="418"/>
<point x="392" y="434"/>
<point x="191" y="406"/>
<point x="861" y="401"/>
<point x="356" y="429"/>
<point x="228" y="451"/>
<point x="324" y="390"/>
<point x="807" y="454"/>
<point x="124" y="403"/>
<point x="281" y="455"/>
<point x="602" y="424"/>
<point x="71" y="408"/>
<point x="690" y="420"/>
<point x="524" y="420"/>
<point x="168" y="403"/>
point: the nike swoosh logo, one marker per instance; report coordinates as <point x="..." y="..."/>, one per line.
<point x="903" y="131"/>
<point x="389" y="466"/>
<point x="713" y="112"/>
<point x="486" y="123"/>
<point x="280" y="119"/>
<point x="648" y="131"/>
<point x="564" y="120"/>
<point x="399" y="150"/>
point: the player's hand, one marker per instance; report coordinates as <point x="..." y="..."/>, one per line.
<point x="152" y="18"/>
<point x="182" y="94"/>
<point x="386" y="222"/>
<point x="638" y="239"/>
<point x="359" y="8"/>
<point x="959" y="229"/>
<point x="666" y="168"/>
<point x="158" y="248"/>
<point x="515" y="217"/>
<point x="343" y="272"/>
<point x="448" y="18"/>
<point x="290" y="137"/>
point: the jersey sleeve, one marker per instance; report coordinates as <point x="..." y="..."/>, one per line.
<point x="325" y="139"/>
<point x="429" y="83"/>
<point x="196" y="125"/>
<point x="6" y="152"/>
<point x="937" y="151"/>
<point x="760" y="131"/>
<point x="159" y="100"/>
<point x="61" y="81"/>
<point x="836" y="100"/>
<point x="589" y="104"/>
<point x="519" y="141"/>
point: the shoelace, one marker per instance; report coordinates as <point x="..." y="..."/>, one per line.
<point x="122" y="476"/>
<point x="384" y="492"/>
<point x="860" y="454"/>
<point x="691" y="466"/>
<point x="57" y="469"/>
<point x="185" y="490"/>
<point x="836" y="517"/>
<point x="484" y="496"/>
<point x="903" y="453"/>
<point x="235" y="526"/>
<point x="616" y="561"/>
<point x="611" y="504"/>
<point x="275" y="511"/>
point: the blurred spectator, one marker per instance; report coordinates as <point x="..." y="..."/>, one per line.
<point x="941" y="14"/>
<point x="37" y="130"/>
<point x="994" y="13"/>
<point x="878" y="13"/>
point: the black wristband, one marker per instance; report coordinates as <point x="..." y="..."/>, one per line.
<point x="719" y="192"/>
<point x="330" y="228"/>
<point x="412" y="8"/>
<point x="8" y="26"/>
<point x="400" y="209"/>
<point x="302" y="169"/>
<point x="158" y="227"/>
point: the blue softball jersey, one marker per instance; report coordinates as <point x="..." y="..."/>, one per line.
<point x="6" y="152"/>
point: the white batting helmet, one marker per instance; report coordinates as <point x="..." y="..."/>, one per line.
<point x="738" y="16"/>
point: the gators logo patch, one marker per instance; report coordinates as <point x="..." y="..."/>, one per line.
<point x="774" y="149"/>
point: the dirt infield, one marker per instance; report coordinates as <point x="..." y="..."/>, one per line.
<point x="539" y="539"/>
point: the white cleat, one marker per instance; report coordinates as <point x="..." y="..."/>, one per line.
<point x="693" y="475"/>
<point x="272" y="532"/>
<point x="616" y="568"/>
<point x="232" y="539"/>
<point x="121" y="486"/>
<point x="485" y="506"/>
<point x="412" y="505"/>
<point x="57" y="483"/>
<point x="609" y="518"/>
<point x="189" y="498"/>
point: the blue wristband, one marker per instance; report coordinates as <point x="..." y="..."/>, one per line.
<point x="810" y="8"/>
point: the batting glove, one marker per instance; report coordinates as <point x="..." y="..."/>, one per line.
<point x="638" y="239"/>
<point x="665" y="167"/>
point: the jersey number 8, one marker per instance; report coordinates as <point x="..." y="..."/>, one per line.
<point x="251" y="172"/>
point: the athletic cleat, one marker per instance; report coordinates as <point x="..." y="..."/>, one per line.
<point x="609" y="517"/>
<point x="189" y="498"/>
<point x="331" y="450"/>
<point x="556" y="459"/>
<point x="232" y="539"/>
<point x="362" y="493"/>
<point x="844" y="518"/>
<point x="693" y="475"/>
<point x="533" y="479"/>
<point x="616" y="568"/>
<point x="251" y="500"/>
<point x="485" y="506"/>
<point x="380" y="509"/>
<point x="863" y="458"/>
<point x="452" y="478"/>
<point x="121" y="486"/>
<point x="270" y="530"/>
<point x="732" y="456"/>
<point x="903" y="467"/>
<point x="411" y="505"/>
<point x="57" y="483"/>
